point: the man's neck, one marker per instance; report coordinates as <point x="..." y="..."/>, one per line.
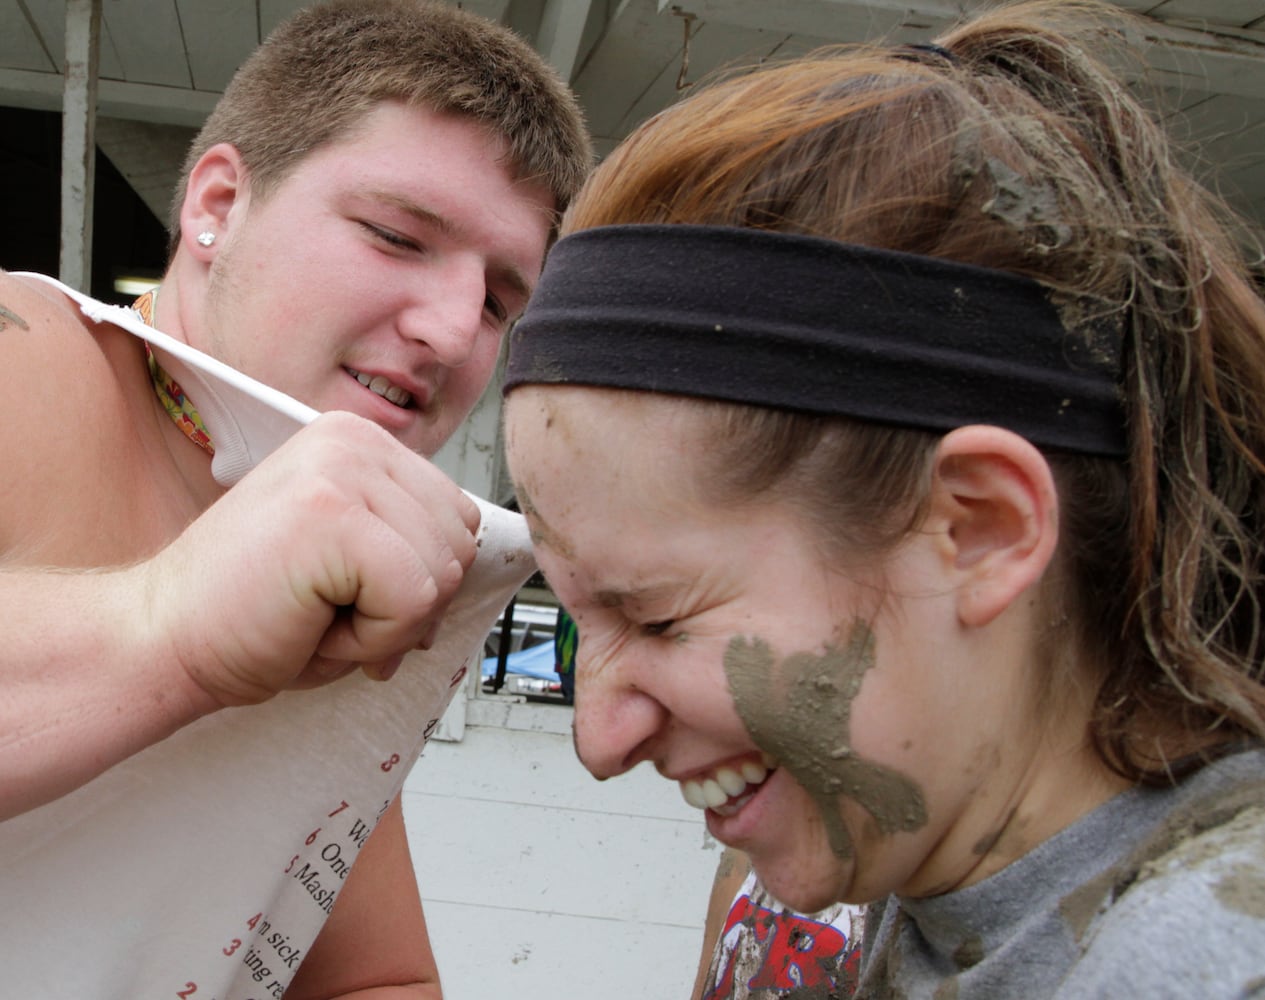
<point x="186" y="439"/>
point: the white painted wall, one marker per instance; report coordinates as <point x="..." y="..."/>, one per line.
<point x="541" y="883"/>
<point x="471" y="458"/>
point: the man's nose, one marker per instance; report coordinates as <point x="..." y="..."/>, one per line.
<point x="448" y="313"/>
<point x="616" y="725"/>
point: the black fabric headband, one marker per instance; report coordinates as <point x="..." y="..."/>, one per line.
<point x="802" y="323"/>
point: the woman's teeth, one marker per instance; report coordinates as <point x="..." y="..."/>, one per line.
<point x="383" y="387"/>
<point x="720" y="789"/>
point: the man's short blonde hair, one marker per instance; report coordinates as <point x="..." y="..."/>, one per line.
<point x="325" y="69"/>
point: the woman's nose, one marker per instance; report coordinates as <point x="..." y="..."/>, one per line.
<point x="615" y="723"/>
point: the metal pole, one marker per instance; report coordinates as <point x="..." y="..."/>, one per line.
<point x="79" y="112"/>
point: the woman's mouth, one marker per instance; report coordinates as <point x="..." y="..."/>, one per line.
<point x="728" y="788"/>
<point x="383" y="387"/>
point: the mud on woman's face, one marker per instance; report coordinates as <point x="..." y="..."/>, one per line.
<point x="799" y="711"/>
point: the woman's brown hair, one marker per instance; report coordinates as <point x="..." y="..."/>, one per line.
<point x="1009" y="145"/>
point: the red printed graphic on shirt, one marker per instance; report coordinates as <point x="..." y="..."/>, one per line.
<point x="784" y="951"/>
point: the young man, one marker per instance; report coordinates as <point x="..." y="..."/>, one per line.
<point x="359" y="222"/>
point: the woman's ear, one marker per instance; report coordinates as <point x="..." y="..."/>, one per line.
<point x="994" y="499"/>
<point x="218" y="183"/>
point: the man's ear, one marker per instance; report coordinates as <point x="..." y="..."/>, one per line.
<point x="218" y="184"/>
<point x="994" y="499"/>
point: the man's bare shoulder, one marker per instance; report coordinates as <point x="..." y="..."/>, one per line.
<point x="19" y="293"/>
<point x="67" y="418"/>
<point x="38" y="320"/>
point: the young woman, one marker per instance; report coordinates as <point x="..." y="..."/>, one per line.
<point x="892" y="424"/>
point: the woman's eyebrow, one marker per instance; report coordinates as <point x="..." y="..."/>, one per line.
<point x="617" y="597"/>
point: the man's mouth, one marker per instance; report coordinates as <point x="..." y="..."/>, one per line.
<point x="383" y="387"/>
<point x="727" y="789"/>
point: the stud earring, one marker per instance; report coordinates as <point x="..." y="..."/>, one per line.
<point x="206" y="237"/>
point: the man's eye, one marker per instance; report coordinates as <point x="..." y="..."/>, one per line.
<point x="388" y="236"/>
<point x="493" y="305"/>
<point x="657" y="628"/>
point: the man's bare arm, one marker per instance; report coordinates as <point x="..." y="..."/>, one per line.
<point x="326" y="558"/>
<point x="342" y="550"/>
<point x="375" y="944"/>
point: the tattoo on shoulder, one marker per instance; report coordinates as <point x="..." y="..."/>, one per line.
<point x="8" y="317"/>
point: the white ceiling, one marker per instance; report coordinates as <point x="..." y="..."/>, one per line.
<point x="164" y="62"/>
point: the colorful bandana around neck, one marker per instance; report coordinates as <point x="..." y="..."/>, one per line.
<point x="809" y="324"/>
<point x="169" y="391"/>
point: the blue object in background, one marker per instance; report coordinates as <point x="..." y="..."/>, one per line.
<point x="536" y="661"/>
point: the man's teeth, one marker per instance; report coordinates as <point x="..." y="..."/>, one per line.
<point x="725" y="784"/>
<point x="383" y="387"/>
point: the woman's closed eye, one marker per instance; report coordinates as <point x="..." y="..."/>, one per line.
<point x="657" y="628"/>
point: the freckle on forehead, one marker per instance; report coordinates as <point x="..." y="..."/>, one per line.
<point x="609" y="599"/>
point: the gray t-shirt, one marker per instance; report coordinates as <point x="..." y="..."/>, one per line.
<point x="1157" y="893"/>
